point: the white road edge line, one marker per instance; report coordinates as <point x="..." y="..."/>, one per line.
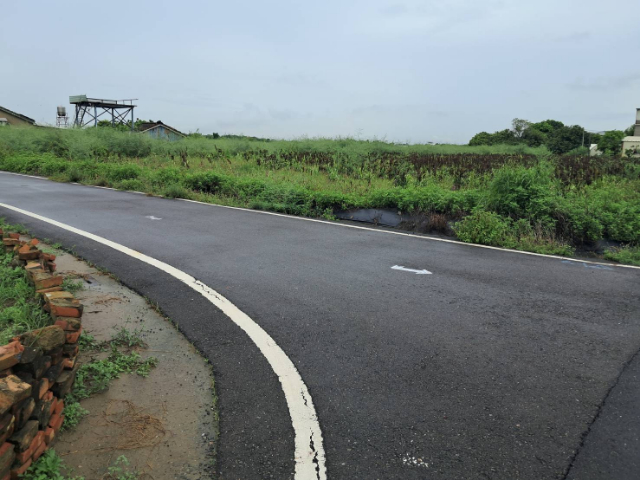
<point x="309" y="449"/>
<point x="377" y="230"/>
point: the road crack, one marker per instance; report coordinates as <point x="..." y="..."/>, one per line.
<point x="586" y="433"/>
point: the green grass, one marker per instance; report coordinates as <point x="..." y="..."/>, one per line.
<point x="95" y="376"/>
<point x="73" y="286"/>
<point x="532" y="200"/>
<point x="51" y="467"/>
<point x="629" y="255"/>
<point x="19" y="309"/>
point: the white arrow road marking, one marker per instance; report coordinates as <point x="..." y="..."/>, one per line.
<point x="151" y="217"/>
<point x="417" y="272"/>
<point x="309" y="450"/>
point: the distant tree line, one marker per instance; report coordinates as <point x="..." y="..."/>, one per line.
<point x="556" y="136"/>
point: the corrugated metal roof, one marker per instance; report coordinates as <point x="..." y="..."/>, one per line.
<point x="145" y="127"/>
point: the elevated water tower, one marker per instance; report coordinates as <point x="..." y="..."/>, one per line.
<point x="62" y="121"/>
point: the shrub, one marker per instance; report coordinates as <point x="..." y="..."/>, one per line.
<point x="629" y="254"/>
<point x="205" y="182"/>
<point x="487" y="228"/>
<point x="127" y="171"/>
<point x="521" y="192"/>
<point x="132" y="185"/>
<point x="175" y="191"/>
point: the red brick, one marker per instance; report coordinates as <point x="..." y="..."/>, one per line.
<point x="73" y="337"/>
<point x="66" y="308"/>
<point x="46" y="338"/>
<point x="22" y="438"/>
<point x="16" y="472"/>
<point x="10" y="354"/>
<point x="49" y="435"/>
<point x="12" y="391"/>
<point x="8" y="360"/>
<point x="46" y="280"/>
<point x="69" y="324"/>
<point x="23" y="411"/>
<point x="34" y="242"/>
<point x="69" y="363"/>
<point x="44" y="387"/>
<point x="28" y="253"/>
<point x="7" y="456"/>
<point x="38" y="440"/>
<point x="51" y="296"/>
<point x="49" y="257"/>
<point x="54" y="418"/>
<point x="47" y="290"/>
<point x="15" y="236"/>
<point x="59" y="406"/>
<point x="7" y="424"/>
<point x="41" y="449"/>
<point x="55" y="421"/>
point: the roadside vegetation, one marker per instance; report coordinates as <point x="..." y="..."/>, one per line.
<point x="514" y="195"/>
<point x="20" y="311"/>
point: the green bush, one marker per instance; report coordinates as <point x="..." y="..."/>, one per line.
<point x="629" y="255"/>
<point x="118" y="173"/>
<point x="487" y="228"/>
<point x="175" y="190"/>
<point x="521" y="192"/>
<point x="132" y="185"/>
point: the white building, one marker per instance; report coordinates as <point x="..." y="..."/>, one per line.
<point x="633" y="143"/>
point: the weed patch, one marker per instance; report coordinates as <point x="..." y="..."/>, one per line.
<point x="543" y="202"/>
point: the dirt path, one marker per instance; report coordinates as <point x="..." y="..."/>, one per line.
<point x="165" y="424"/>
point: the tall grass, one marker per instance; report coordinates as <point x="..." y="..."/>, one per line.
<point x="532" y="200"/>
<point x="20" y="311"/>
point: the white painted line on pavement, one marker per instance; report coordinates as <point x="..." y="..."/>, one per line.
<point x="377" y="230"/>
<point x="413" y="270"/>
<point x="309" y="450"/>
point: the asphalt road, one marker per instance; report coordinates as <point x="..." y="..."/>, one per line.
<point x="496" y="366"/>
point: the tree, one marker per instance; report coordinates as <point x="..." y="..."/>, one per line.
<point x="482" y="138"/>
<point x="505" y="136"/>
<point x="547" y="126"/>
<point x="533" y="137"/>
<point x="519" y="126"/>
<point x="565" y="139"/>
<point x="630" y="131"/>
<point x="611" y="142"/>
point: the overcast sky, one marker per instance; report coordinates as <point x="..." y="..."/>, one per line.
<point x="417" y="71"/>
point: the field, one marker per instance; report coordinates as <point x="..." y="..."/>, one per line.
<point x="510" y="196"/>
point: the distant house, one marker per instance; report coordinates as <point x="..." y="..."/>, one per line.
<point x="631" y="144"/>
<point x="7" y="117"/>
<point x="160" y="130"/>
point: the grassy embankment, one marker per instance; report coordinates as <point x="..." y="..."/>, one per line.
<point x="509" y="196"/>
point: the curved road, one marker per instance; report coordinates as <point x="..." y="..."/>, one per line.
<point x="498" y="365"/>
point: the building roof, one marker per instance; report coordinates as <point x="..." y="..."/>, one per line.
<point x="146" y="126"/>
<point x="19" y="115"/>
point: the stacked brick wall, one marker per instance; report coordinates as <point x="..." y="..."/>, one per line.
<point x="38" y="368"/>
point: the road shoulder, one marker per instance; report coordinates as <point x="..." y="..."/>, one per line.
<point x="165" y="424"/>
